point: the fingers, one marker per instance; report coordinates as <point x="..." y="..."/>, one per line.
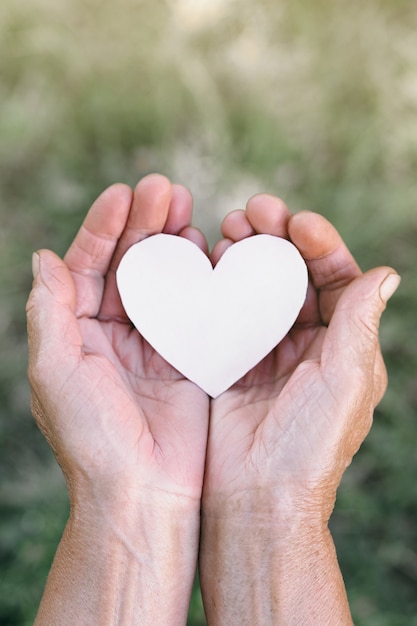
<point x="264" y="214"/>
<point x="219" y="249"/>
<point x="180" y="210"/>
<point x="179" y="218"/>
<point x="95" y="242"/>
<point x="351" y="354"/>
<point x="331" y="265"/>
<point x="268" y="214"/>
<point x="196" y="236"/>
<point x="236" y="226"/>
<point x="148" y="213"/>
<point x="118" y="219"/>
<point x="156" y="204"/>
<point x="91" y="252"/>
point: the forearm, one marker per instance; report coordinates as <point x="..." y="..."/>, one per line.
<point x="257" y="567"/>
<point x="123" y="566"/>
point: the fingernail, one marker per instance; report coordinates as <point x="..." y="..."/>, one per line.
<point x="35" y="264"/>
<point x="389" y="286"/>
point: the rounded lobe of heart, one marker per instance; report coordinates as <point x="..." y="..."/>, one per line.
<point x="213" y="325"/>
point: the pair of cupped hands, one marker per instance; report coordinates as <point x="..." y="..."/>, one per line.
<point x="120" y="419"/>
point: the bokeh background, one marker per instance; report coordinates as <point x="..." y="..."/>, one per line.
<point x="312" y="101"/>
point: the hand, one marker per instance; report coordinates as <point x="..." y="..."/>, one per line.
<point x="296" y="420"/>
<point x="281" y="438"/>
<point x="128" y="431"/>
<point x="108" y="404"/>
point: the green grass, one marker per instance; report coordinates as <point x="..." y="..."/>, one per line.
<point x="313" y="102"/>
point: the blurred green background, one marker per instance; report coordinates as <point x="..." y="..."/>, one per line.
<point x="312" y="101"/>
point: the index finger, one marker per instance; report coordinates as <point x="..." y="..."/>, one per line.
<point x="90" y="254"/>
<point x="330" y="263"/>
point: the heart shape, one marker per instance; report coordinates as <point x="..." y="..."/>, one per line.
<point x="213" y="325"/>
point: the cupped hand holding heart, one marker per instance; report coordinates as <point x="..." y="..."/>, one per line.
<point x="213" y="325"/>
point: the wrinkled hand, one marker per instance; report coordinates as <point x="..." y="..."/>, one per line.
<point x="291" y="426"/>
<point x="114" y="412"/>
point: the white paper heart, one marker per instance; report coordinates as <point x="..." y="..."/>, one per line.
<point x="213" y="325"/>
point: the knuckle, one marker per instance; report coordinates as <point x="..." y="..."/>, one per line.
<point x="367" y="326"/>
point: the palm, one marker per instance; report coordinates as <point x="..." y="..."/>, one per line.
<point x="156" y="400"/>
<point x="246" y="417"/>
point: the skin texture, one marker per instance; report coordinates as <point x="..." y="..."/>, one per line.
<point x="127" y="430"/>
<point x="142" y="449"/>
<point x="281" y="438"/>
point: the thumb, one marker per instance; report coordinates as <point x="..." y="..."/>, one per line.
<point x="53" y="333"/>
<point x="351" y="351"/>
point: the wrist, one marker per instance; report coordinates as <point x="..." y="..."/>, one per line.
<point x="283" y="525"/>
<point x="269" y="560"/>
<point x="152" y="525"/>
<point x="117" y="555"/>
<point x="285" y="509"/>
